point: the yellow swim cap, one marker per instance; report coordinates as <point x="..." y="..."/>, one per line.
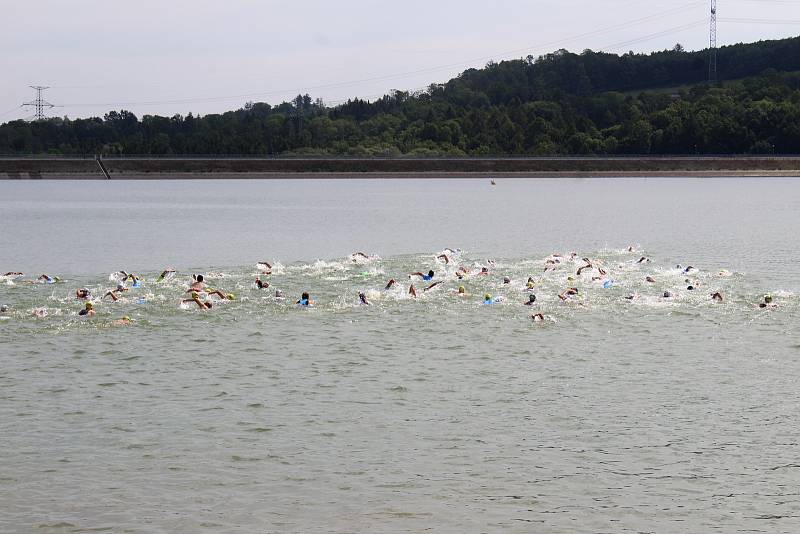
<point x="195" y="295"/>
<point x="126" y="318"/>
<point x="487" y="296"/>
<point x="461" y="289"/>
<point x="231" y="296"/>
<point x="89" y="306"/>
<point x="530" y="285"/>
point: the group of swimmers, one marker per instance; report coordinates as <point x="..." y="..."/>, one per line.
<point x="198" y="285"/>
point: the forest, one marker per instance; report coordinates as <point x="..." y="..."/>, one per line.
<point x="563" y="103"/>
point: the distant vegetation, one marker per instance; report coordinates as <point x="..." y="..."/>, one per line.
<point x="559" y="103"/>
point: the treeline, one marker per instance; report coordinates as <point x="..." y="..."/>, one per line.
<point x="559" y="103"/>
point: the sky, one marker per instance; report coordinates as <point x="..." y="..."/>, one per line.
<point x="167" y="57"/>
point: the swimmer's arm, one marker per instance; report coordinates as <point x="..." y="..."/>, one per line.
<point x="433" y="285"/>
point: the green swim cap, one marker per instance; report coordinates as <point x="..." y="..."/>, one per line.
<point x="195" y="295"/>
<point x="89" y="306"/>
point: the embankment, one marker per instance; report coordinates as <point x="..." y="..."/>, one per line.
<point x="174" y="167"/>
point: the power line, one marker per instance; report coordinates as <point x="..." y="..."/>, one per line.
<point x="336" y="85"/>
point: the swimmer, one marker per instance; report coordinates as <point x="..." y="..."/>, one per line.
<point x="390" y="284"/>
<point x="484" y="271"/>
<point x="538" y="317"/>
<point x="13" y="275"/>
<point x="644" y="259"/>
<point x="650" y="279"/>
<point x="124" y="321"/>
<point x="632" y="297"/>
<point x="412" y="291"/>
<point x="261" y="284"/>
<point x="461" y="292"/>
<point x="531" y="300"/>
<point x="198" y="283"/>
<point x="265" y="266"/>
<point x="529" y="286"/>
<point x="279" y="295"/>
<point x="717" y="297"/>
<point x="305" y="300"/>
<point x="631" y="249"/>
<point x="40" y="312"/>
<point x="767" y="302"/>
<point x="112" y="293"/>
<point x="196" y="299"/>
<point x="166" y="274"/>
<point x="47" y="279"/>
<point x="690" y="288"/>
<point x="506" y="280"/>
<point x="564" y="295"/>
<point x="88" y="310"/>
<point x="4" y="308"/>
<point x="83" y="294"/>
<point x="689" y="269"/>
<point x="443" y="257"/>
<point x="363" y="298"/>
<point x="432" y="286"/>
<point x="487" y="299"/>
<point x="667" y="295"/>
<point x="425" y="277"/>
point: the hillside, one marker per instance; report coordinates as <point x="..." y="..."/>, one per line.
<point x="559" y="103"/>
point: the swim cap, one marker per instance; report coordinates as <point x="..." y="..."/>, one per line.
<point x="195" y="295"/>
<point x="570" y="278"/>
<point x="667" y="294"/>
<point x="4" y="308"/>
<point x="506" y="280"/>
<point x="126" y="318"/>
<point x="89" y="306"/>
<point x="767" y="298"/>
<point x="57" y="279"/>
<point x="487" y="296"/>
<point x="461" y="289"/>
<point x="231" y="296"/>
<point x="532" y="298"/>
<point x="530" y="285"/>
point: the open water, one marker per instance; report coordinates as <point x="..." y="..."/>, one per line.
<point x="433" y="413"/>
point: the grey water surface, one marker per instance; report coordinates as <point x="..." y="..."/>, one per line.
<point x="432" y="413"/>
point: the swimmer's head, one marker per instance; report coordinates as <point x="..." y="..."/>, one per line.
<point x="570" y="279"/>
<point x="690" y="288"/>
<point x="278" y="294"/>
<point x="4" y="308"/>
<point x="208" y="305"/>
<point x="532" y="298"/>
<point x="231" y="296"/>
<point x="667" y="294"/>
<point x="56" y="279"/>
<point x="304" y="296"/>
<point x="200" y="278"/>
<point x="506" y="280"/>
<point x="461" y="289"/>
<point x="126" y="318"/>
<point x="530" y="285"/>
<point x="430" y="273"/>
<point x="768" y="299"/>
<point x="89" y="306"/>
<point x="487" y="296"/>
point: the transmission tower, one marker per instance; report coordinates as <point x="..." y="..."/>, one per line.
<point x="39" y="104"/>
<point x="712" y="48"/>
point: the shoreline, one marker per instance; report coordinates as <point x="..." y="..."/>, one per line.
<point x="374" y="168"/>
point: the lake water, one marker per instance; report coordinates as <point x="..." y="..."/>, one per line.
<point x="431" y="413"/>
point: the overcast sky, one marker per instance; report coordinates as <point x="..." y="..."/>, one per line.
<point x="176" y="56"/>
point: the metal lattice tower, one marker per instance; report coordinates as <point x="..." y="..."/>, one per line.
<point x="39" y="104"/>
<point x="712" y="44"/>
